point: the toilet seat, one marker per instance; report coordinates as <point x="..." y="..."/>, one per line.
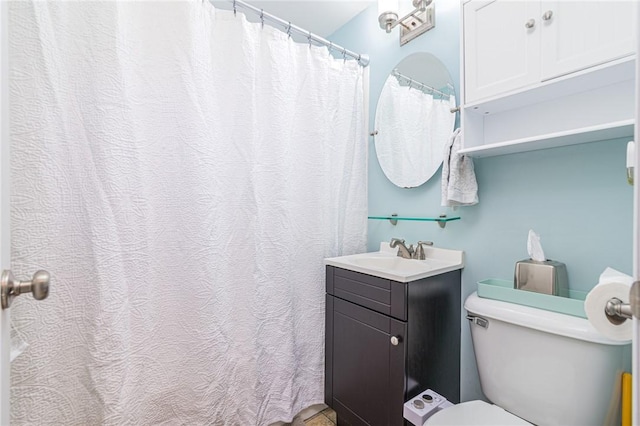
<point x="476" y="413"/>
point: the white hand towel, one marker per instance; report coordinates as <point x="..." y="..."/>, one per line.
<point x="459" y="185"/>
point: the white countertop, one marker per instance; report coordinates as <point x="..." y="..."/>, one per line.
<point x="386" y="264"/>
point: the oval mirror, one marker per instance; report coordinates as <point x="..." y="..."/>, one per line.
<point x="414" y="120"/>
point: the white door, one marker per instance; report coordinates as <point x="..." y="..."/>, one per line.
<point x="9" y="288"/>
<point x="635" y="358"/>
<point x="4" y="210"/>
<point x="501" y="47"/>
<point x="580" y="34"/>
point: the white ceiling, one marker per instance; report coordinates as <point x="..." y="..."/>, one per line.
<point x="321" y="17"/>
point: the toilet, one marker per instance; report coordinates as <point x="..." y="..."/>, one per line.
<point x="539" y="367"/>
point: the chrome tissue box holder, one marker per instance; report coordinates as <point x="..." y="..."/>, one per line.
<point x="547" y="277"/>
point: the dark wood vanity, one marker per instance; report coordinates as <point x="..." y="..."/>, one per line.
<point x="386" y="341"/>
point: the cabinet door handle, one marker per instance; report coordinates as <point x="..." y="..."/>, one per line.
<point x="547" y="15"/>
<point x="395" y="340"/>
<point x="530" y="23"/>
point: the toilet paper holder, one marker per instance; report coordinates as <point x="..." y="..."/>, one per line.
<point x="618" y="312"/>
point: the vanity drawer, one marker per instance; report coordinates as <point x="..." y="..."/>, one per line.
<point x="378" y="294"/>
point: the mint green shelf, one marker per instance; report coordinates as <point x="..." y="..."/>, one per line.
<point x="503" y="290"/>
<point x="441" y="220"/>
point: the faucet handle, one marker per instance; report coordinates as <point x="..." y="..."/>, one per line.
<point x="419" y="253"/>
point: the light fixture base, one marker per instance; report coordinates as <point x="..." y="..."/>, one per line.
<point x="387" y="20"/>
<point x="420" y="4"/>
<point x="416" y="24"/>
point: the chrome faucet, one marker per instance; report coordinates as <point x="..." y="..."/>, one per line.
<point x="410" y="253"/>
<point x="403" y="251"/>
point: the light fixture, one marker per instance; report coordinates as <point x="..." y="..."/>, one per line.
<point x="415" y="23"/>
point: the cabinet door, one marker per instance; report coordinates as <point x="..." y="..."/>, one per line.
<point x="580" y="34"/>
<point x="368" y="371"/>
<point x="501" y="46"/>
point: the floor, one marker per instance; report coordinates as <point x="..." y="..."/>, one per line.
<point x="316" y="415"/>
<point x="326" y="417"/>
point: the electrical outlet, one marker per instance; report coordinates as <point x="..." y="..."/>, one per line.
<point x="418" y="409"/>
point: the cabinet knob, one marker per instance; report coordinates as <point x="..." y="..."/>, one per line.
<point x="395" y="340"/>
<point x="547" y="15"/>
<point x="530" y="23"/>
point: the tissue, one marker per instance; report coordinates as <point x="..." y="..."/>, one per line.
<point x="534" y="248"/>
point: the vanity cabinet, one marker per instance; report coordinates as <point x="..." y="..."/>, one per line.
<point x="511" y="45"/>
<point x="386" y="341"/>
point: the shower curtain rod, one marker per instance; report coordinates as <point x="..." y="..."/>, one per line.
<point x="290" y="28"/>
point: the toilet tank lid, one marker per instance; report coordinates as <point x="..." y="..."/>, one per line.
<point x="537" y="319"/>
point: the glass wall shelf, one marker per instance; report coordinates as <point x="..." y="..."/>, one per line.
<point x="440" y="220"/>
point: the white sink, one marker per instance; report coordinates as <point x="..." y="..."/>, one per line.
<point x="386" y="264"/>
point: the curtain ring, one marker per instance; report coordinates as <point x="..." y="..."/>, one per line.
<point x="309" y="39"/>
<point x="289" y="30"/>
<point x="330" y="47"/>
<point x="344" y="55"/>
<point x="262" y="17"/>
<point x="234" y="8"/>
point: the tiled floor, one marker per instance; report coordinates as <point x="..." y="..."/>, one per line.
<point x="316" y="415"/>
<point x="326" y="417"/>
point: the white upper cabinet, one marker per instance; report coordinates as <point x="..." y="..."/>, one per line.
<point x="579" y="34"/>
<point x="510" y="45"/>
<point x="541" y="74"/>
<point x="500" y="50"/>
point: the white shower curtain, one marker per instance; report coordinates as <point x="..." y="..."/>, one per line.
<point x="181" y="173"/>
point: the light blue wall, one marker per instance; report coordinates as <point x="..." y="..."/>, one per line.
<point x="576" y="197"/>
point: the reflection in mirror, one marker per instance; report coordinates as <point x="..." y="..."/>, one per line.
<point x="414" y="120"/>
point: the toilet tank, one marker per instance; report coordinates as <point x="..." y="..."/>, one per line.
<point x="546" y="367"/>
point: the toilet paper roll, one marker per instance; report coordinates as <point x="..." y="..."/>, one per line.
<point x="612" y="284"/>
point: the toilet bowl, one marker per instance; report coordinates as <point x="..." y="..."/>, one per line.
<point x="539" y="367"/>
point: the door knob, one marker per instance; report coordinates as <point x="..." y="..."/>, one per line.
<point x="530" y="23"/>
<point x="618" y="312"/>
<point x="547" y="15"/>
<point x="395" y="340"/>
<point x="10" y="287"/>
